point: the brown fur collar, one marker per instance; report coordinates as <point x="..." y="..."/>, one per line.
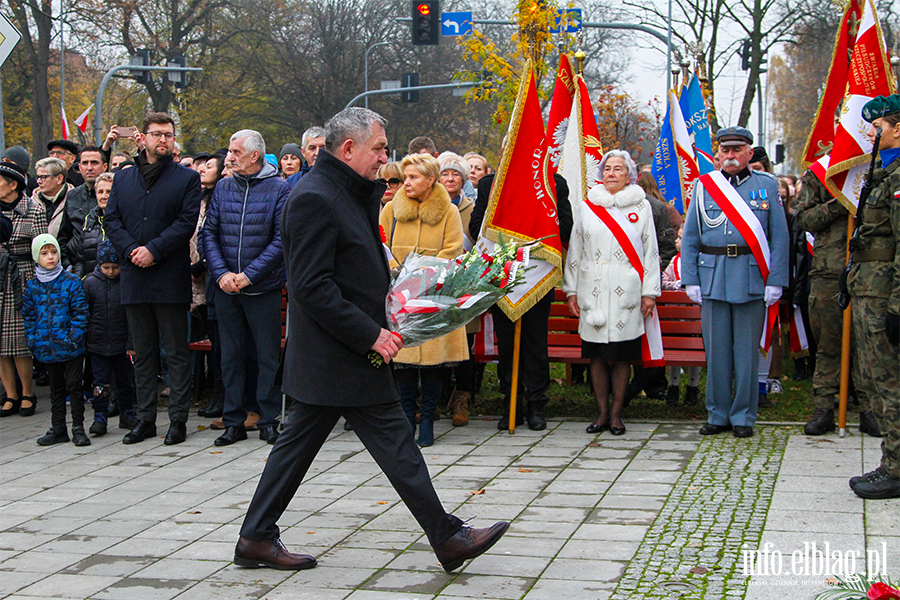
<point x="429" y="211"/>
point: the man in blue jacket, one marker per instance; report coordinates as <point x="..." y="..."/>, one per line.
<point x="241" y="241"/>
<point x="150" y="218"/>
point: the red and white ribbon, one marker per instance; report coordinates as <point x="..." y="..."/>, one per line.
<point x="810" y="243"/>
<point x="484" y="339"/>
<point x="799" y="343"/>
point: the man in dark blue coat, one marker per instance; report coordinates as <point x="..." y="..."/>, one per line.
<point x="241" y="241"/>
<point x="150" y="218"/>
<point x="338" y="278"/>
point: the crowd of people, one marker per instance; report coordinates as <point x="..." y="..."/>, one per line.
<point x="114" y="262"/>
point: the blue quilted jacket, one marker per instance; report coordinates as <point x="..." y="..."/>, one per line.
<point x="242" y="232"/>
<point x="56" y="318"/>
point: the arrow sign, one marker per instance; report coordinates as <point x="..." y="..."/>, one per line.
<point x="456" y="23"/>
<point x="9" y="37"/>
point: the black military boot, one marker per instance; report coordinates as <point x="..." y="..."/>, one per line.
<point x="692" y="396"/>
<point x="672" y="396"/>
<point x="821" y="422"/>
<point x="869" y="424"/>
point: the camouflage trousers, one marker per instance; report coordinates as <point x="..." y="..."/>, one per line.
<point x="879" y="367"/>
<point x="826" y="320"/>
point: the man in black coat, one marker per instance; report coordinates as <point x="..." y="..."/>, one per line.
<point x="534" y="360"/>
<point x="150" y="218"/>
<point x="338" y="278"/>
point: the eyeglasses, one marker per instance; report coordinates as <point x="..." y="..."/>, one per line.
<point x="58" y="153"/>
<point x="44" y="177"/>
<point x="392" y="182"/>
<point x="160" y="134"/>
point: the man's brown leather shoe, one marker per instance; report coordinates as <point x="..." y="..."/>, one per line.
<point x="468" y="543"/>
<point x="270" y="553"/>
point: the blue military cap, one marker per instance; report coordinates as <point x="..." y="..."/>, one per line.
<point x="881" y="106"/>
<point x="734" y="136"/>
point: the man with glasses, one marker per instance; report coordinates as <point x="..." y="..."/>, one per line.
<point x="150" y="218"/>
<point x="51" y="194"/>
<point x="67" y="152"/>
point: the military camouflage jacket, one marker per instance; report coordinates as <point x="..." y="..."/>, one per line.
<point x="878" y="234"/>
<point x="819" y="213"/>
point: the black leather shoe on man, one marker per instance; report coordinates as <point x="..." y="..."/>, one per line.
<point x="177" y="433"/>
<point x="503" y="423"/>
<point x="270" y="553"/>
<point x="231" y="435"/>
<point x="141" y="431"/>
<point x="877" y="485"/>
<point x="821" y="422"/>
<point x="869" y="424"/>
<point x="268" y="434"/>
<point x="468" y="543"/>
<point x="536" y="421"/>
<point x="743" y="431"/>
<point x="710" y="429"/>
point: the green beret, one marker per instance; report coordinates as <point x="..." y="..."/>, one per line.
<point x="882" y="106"/>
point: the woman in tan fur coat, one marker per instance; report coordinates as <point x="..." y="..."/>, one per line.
<point x="422" y="219"/>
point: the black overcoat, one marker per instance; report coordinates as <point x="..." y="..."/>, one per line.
<point x="338" y="278"/>
<point x="162" y="218"/>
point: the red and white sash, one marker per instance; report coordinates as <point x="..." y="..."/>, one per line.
<point x="746" y="222"/>
<point x="630" y="241"/>
<point x="799" y="343"/>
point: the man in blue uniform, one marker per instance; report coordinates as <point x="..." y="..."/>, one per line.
<point x="723" y="263"/>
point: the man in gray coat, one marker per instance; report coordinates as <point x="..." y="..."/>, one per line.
<point x="734" y="260"/>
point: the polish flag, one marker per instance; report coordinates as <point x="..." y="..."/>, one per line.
<point x="65" y="123"/>
<point x="82" y="121"/>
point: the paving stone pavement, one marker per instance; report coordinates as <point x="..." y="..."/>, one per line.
<point x="660" y="512"/>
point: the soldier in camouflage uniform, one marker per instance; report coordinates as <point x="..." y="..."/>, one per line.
<point x="819" y="213"/>
<point x="874" y="284"/>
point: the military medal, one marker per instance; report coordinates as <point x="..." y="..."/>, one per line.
<point x="765" y="206"/>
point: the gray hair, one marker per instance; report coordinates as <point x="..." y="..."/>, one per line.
<point x="312" y="132"/>
<point x="354" y="123"/>
<point x="54" y="166"/>
<point x="632" y="168"/>
<point x="104" y="177"/>
<point x="253" y="141"/>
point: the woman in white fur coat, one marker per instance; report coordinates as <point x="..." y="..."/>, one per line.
<point x="603" y="287"/>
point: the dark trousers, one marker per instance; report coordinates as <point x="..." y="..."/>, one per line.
<point x="384" y="431"/>
<point x="244" y="321"/>
<point x="117" y="366"/>
<point x="534" y="361"/>
<point x="66" y="378"/>
<point x="150" y="325"/>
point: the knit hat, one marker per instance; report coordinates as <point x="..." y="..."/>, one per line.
<point x="290" y="148"/>
<point x="39" y="242"/>
<point x="18" y="155"/>
<point x="451" y="160"/>
<point x="106" y="253"/>
<point x="13" y="171"/>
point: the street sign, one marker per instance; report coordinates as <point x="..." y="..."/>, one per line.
<point x="9" y="37"/>
<point x="574" y="23"/>
<point x="456" y="23"/>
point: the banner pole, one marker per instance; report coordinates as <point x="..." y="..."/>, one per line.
<point x="514" y="392"/>
<point x="845" y="350"/>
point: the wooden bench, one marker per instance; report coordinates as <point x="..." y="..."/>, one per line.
<point x="679" y="320"/>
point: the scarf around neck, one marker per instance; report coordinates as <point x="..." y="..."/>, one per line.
<point x="47" y="275"/>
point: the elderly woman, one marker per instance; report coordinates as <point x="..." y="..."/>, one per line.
<point x="391" y="176"/>
<point x="29" y="220"/>
<point x="421" y="218"/>
<point x="605" y="289"/>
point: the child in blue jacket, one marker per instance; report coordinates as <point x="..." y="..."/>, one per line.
<point x="56" y="319"/>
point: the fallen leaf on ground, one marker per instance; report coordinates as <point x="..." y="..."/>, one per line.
<point x="194" y="512"/>
<point x="381" y="502"/>
<point x="594" y="445"/>
<point x="202" y="427"/>
<point x="524" y="470"/>
<point x="310" y="532"/>
<point x="216" y="452"/>
<point x="699" y="570"/>
<point x="477" y="492"/>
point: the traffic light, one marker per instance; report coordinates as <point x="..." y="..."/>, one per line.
<point x="426" y="22"/>
<point x="141" y="59"/>
<point x="745" y="55"/>
<point x="179" y="78"/>
<point x="410" y="80"/>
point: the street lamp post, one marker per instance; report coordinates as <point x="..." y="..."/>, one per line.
<point x="367" y="65"/>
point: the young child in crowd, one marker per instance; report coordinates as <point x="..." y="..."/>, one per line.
<point x="56" y="319"/>
<point x="671" y="280"/>
<point x="109" y="342"/>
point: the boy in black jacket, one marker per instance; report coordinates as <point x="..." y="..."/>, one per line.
<point x="109" y="341"/>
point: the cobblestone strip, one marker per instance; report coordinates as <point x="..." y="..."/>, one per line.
<point x="694" y="548"/>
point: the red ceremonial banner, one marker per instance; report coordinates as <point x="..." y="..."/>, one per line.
<point x="560" y="107"/>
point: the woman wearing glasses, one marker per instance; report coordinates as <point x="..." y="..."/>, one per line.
<point x="390" y="175"/>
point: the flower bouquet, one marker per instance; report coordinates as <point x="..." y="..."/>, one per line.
<point x="858" y="587"/>
<point x="431" y="297"/>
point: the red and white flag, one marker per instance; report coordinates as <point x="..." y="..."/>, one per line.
<point x="522" y="205"/>
<point x="82" y="121"/>
<point x="65" y="123"/>
<point x="582" y="151"/>
<point x="870" y="76"/>
<point x="560" y="108"/>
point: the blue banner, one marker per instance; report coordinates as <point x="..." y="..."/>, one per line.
<point x="695" y="118"/>
<point x="665" y="163"/>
